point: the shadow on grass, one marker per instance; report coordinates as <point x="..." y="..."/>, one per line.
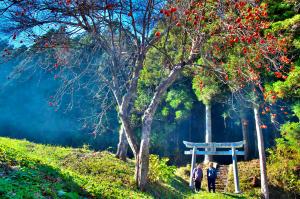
<point x="279" y="193"/>
<point x="36" y="180"/>
<point x="176" y="188"/>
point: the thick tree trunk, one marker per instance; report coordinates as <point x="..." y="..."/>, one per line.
<point x="208" y="134"/>
<point x="122" y="145"/>
<point x="142" y="157"/>
<point x="262" y="154"/>
<point x="124" y="105"/>
<point x="143" y="166"/>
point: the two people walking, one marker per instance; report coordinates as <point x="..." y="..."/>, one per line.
<point x="211" y="174"/>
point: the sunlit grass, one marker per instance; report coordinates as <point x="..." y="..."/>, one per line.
<point x="31" y="170"/>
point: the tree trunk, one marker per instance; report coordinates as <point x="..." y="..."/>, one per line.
<point x="122" y="145"/>
<point x="245" y="130"/>
<point x="143" y="160"/>
<point x="208" y="134"/>
<point x="262" y="155"/>
<point x="142" y="165"/>
<point x="131" y="138"/>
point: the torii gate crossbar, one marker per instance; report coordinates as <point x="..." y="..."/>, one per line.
<point x="213" y="146"/>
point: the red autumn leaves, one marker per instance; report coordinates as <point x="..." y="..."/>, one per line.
<point x="247" y="26"/>
<point x="263" y="126"/>
<point x="168" y="12"/>
<point x="267" y="110"/>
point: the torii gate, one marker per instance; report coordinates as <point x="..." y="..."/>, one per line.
<point x="212" y="146"/>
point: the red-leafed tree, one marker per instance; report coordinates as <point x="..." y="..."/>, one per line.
<point x="212" y="30"/>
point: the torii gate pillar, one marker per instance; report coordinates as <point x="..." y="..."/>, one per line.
<point x="193" y="164"/>
<point x="235" y="171"/>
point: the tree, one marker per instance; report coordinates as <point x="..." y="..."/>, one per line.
<point x="262" y="153"/>
<point x="206" y="87"/>
<point x="223" y="24"/>
<point x="117" y="20"/>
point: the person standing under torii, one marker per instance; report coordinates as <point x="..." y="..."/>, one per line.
<point x="211" y="177"/>
<point x="197" y="177"/>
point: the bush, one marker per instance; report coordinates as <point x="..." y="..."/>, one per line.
<point x="159" y="169"/>
<point x="284" y="167"/>
<point x="184" y="172"/>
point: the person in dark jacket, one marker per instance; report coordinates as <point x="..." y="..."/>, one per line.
<point x="197" y="177"/>
<point x="211" y="177"/>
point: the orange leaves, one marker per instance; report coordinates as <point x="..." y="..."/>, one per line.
<point x="267" y="109"/>
<point x="226" y="77"/>
<point x="230" y="27"/>
<point x="282" y="42"/>
<point x="264" y="14"/>
<point x="173" y="9"/>
<point x="68" y="2"/>
<point x="238" y="20"/>
<point x="242" y="31"/>
<point x="263" y="126"/>
<point x="240" y="4"/>
<point x="262" y="41"/>
<point x="187" y="12"/>
<point x="168" y="12"/>
<point x="271" y="37"/>
<point x="236" y="40"/>
<point x="284" y="59"/>
<point x="265" y="25"/>
<point x="244" y="50"/>
<point x="178" y="24"/>
<point x="201" y="85"/>
<point x="271" y="50"/>
<point x="157" y="34"/>
<point x="273" y="115"/>
<point x="278" y="74"/>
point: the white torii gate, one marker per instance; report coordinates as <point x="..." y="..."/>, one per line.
<point x="212" y="146"/>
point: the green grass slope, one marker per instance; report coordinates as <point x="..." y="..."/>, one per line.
<point x="29" y="170"/>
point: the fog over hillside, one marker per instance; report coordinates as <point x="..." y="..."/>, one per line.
<point x="25" y="113"/>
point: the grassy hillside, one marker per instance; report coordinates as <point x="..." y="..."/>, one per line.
<point x="29" y="170"/>
<point x="281" y="184"/>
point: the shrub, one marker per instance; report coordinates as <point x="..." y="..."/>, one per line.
<point x="159" y="169"/>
